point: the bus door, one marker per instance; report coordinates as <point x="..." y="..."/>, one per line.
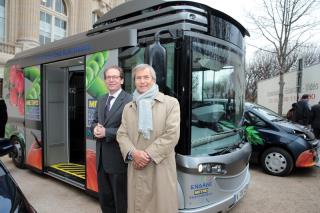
<point x="64" y="118"/>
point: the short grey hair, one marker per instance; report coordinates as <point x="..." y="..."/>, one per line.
<point x="143" y="67"/>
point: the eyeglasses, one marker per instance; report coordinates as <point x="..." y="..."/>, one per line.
<point x="113" y="77"/>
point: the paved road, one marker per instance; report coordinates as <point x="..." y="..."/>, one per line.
<point x="48" y="195"/>
<point x="297" y="193"/>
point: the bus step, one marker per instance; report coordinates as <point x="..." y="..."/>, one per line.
<point x="72" y="169"/>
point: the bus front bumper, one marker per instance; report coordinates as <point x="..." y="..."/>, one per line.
<point x="226" y="204"/>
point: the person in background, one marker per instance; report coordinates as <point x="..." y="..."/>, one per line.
<point x="290" y="113"/>
<point x="302" y="111"/>
<point x="3" y="117"/>
<point x="315" y="119"/>
<point x="149" y="132"/>
<point x="112" y="170"/>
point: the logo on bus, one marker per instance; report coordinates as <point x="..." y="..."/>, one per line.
<point x="200" y="185"/>
<point x="92" y="104"/>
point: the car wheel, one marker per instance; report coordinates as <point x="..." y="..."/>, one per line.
<point x="277" y="161"/>
<point x="18" y="153"/>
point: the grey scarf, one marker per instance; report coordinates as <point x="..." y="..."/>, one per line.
<point x="144" y="102"/>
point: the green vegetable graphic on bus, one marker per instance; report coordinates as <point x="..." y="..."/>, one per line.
<point x="33" y="74"/>
<point x="94" y="66"/>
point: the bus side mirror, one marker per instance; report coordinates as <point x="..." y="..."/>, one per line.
<point x="5" y="146"/>
<point x="156" y="56"/>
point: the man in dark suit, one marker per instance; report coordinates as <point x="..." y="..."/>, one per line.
<point x="315" y="119"/>
<point x="112" y="171"/>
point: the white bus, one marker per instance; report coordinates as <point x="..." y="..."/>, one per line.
<point x="198" y="54"/>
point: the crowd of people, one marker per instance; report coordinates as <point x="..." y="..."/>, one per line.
<point x="305" y="115"/>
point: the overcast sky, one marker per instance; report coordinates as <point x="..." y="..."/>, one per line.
<point x="239" y="9"/>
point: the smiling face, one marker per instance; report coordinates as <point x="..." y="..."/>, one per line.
<point x="113" y="80"/>
<point x="143" y="80"/>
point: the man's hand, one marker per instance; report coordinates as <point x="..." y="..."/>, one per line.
<point x="99" y="131"/>
<point x="140" y="159"/>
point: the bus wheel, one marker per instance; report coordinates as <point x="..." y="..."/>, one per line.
<point x="18" y="153"/>
<point x="277" y="161"/>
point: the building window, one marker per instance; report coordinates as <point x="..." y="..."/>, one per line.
<point x="2" y="20"/>
<point x="95" y="17"/>
<point x="53" y="21"/>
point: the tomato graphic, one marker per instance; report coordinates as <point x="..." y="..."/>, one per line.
<point x="91" y="170"/>
<point x="34" y="157"/>
<point x="19" y="82"/>
<point x="16" y="88"/>
<point x="13" y="96"/>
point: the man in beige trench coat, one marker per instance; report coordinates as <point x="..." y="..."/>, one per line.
<point x="147" y="136"/>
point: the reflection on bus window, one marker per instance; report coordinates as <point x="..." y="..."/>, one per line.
<point x="129" y="63"/>
<point x="216" y="98"/>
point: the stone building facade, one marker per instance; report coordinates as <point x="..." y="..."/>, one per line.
<point x="25" y="24"/>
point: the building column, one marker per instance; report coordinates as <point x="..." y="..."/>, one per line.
<point x="29" y="23"/>
<point x="12" y="9"/>
<point x="85" y="19"/>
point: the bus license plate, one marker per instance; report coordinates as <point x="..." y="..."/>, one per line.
<point x="240" y="194"/>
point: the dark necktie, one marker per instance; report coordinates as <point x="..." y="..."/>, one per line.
<point x="107" y="108"/>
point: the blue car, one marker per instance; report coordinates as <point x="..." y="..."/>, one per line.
<point x="11" y="197"/>
<point x="278" y="144"/>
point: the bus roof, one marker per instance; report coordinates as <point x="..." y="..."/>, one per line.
<point x="74" y="46"/>
<point x="140" y="5"/>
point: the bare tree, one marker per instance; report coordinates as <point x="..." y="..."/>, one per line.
<point x="310" y="53"/>
<point x="284" y="25"/>
<point x="263" y="66"/>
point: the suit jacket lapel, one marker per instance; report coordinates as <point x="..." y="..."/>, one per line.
<point x="102" y="108"/>
<point x="117" y="103"/>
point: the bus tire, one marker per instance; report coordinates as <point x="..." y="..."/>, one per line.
<point x="18" y="154"/>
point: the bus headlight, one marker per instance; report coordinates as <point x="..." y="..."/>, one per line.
<point x="211" y="168"/>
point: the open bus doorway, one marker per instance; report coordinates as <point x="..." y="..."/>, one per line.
<point x="64" y="115"/>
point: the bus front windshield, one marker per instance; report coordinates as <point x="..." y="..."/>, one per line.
<point x="217" y="97"/>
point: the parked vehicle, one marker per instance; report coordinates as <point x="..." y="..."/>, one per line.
<point x="11" y="197"/>
<point x="278" y="144"/>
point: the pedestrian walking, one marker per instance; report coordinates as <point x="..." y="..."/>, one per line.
<point x="315" y="119"/>
<point x="290" y="113"/>
<point x="302" y="111"/>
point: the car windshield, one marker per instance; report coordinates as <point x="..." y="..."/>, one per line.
<point x="269" y="114"/>
<point x="217" y="97"/>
